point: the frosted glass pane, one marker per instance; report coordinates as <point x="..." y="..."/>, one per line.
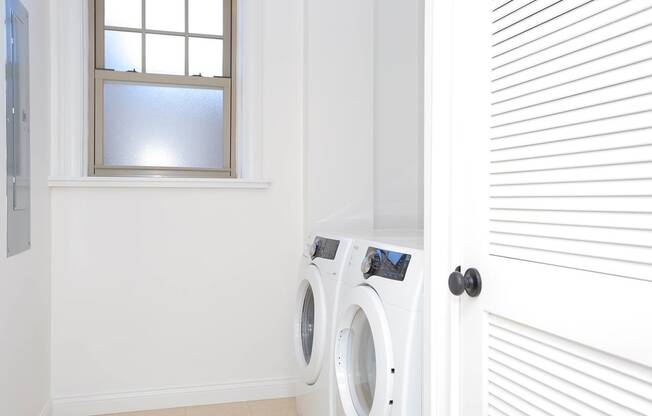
<point x="123" y="13"/>
<point x="206" y="16"/>
<point x="205" y="57"/>
<point x="166" y="54"/>
<point x="122" y="51"/>
<point x="170" y="126"/>
<point x="166" y="15"/>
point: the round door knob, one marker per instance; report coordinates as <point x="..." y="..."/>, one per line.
<point x="456" y="283"/>
<point x="469" y="282"/>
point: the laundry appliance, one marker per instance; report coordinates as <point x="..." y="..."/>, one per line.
<point x="325" y="256"/>
<point x="378" y="349"/>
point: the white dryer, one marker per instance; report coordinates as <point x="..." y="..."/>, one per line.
<point x="378" y="349"/>
<point x="325" y="258"/>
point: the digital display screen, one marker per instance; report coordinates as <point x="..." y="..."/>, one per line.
<point x="325" y="248"/>
<point x="394" y="258"/>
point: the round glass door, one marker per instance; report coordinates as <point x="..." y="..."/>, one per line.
<point x="364" y="359"/>
<point x="362" y="364"/>
<point x="308" y="324"/>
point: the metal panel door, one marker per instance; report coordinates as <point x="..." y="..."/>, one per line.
<point x="18" y="146"/>
<point x="552" y="142"/>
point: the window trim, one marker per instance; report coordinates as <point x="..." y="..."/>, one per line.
<point x="98" y="75"/>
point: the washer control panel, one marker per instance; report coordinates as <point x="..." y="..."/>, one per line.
<point x="387" y="264"/>
<point x="324" y="248"/>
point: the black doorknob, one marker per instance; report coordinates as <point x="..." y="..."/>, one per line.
<point x="469" y="282"/>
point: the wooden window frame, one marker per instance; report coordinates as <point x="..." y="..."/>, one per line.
<point x="99" y="75"/>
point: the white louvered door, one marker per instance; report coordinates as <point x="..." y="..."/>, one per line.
<point x="552" y="132"/>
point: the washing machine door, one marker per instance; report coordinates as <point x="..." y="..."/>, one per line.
<point x="364" y="362"/>
<point x="310" y="325"/>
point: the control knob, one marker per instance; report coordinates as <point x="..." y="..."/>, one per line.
<point x="370" y="264"/>
<point x="314" y="248"/>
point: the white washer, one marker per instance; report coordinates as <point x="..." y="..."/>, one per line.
<point x="325" y="258"/>
<point x="378" y="336"/>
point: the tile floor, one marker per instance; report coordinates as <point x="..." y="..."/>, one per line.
<point x="279" y="407"/>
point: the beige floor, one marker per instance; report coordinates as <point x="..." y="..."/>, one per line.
<point x="280" y="407"/>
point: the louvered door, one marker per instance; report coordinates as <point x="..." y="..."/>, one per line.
<point x="552" y="132"/>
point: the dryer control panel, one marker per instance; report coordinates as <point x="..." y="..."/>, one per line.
<point x="324" y="248"/>
<point x="384" y="263"/>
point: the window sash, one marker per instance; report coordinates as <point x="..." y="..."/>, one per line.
<point x="99" y="75"/>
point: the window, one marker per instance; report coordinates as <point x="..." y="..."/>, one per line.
<point x="163" y="93"/>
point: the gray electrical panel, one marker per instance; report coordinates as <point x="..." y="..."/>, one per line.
<point x="18" y="149"/>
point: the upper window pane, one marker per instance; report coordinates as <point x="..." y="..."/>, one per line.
<point x="206" y="16"/>
<point x="167" y="15"/>
<point x="205" y="57"/>
<point x="123" y="13"/>
<point x="122" y="51"/>
<point x="168" y="126"/>
<point x="166" y="54"/>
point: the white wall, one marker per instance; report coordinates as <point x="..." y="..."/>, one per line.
<point x="338" y="117"/>
<point x="398" y="114"/>
<point x="25" y="278"/>
<point x="167" y="297"/>
<point x="364" y="113"/>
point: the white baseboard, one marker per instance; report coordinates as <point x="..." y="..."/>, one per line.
<point x="46" y="410"/>
<point x="173" y="397"/>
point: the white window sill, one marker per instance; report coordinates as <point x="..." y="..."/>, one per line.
<point x="179" y="183"/>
